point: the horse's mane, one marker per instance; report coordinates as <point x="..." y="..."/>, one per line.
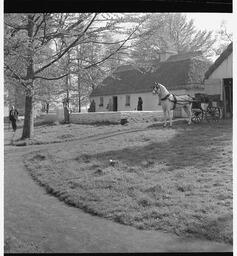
<point x="164" y="91"/>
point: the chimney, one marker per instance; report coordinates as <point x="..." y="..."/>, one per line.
<point x="166" y="54"/>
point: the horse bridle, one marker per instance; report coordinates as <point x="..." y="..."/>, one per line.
<point x="155" y="87"/>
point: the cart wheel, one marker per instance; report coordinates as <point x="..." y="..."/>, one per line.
<point x="213" y="114"/>
<point x="197" y="116"/>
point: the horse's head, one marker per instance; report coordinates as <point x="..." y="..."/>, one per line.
<point x="156" y="88"/>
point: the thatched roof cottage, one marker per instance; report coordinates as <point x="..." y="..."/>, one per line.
<point x="179" y="73"/>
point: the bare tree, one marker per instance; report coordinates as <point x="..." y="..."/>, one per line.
<point x="35" y="42"/>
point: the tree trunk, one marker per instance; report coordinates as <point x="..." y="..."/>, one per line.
<point x="66" y="103"/>
<point x="79" y="103"/>
<point x="79" y="93"/>
<point x="66" y="115"/>
<point x="28" y="128"/>
<point x="66" y="111"/>
<point x="79" y="63"/>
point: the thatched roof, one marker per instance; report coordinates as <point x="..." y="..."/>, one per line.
<point x="122" y="81"/>
<point x="185" y="56"/>
<point x="175" y="74"/>
<point x="219" y="60"/>
<point x="128" y="67"/>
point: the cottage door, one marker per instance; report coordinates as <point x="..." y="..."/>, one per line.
<point x="115" y="103"/>
<point x="228" y="97"/>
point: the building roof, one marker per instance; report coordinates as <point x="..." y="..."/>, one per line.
<point x="225" y="54"/>
<point x="175" y="75"/>
<point x="119" y="83"/>
<point x="185" y="56"/>
<point x="179" y="74"/>
<point x="127" y="67"/>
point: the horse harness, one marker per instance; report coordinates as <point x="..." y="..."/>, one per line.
<point x="174" y="101"/>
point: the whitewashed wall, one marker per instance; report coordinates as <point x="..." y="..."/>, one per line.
<point x="214" y="84"/>
<point x="115" y="117"/>
<point x="150" y="101"/>
<point x="225" y="70"/>
<point x="97" y="102"/>
<point x="112" y="117"/>
<point x="213" y="87"/>
<point x="151" y="110"/>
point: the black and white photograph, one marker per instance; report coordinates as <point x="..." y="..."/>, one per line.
<point x="118" y="131"/>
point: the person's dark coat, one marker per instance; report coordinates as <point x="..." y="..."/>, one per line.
<point x="92" y="107"/>
<point x="13" y="116"/>
<point x="139" y="104"/>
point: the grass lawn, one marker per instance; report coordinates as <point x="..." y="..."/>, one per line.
<point x="51" y="132"/>
<point x="176" y="179"/>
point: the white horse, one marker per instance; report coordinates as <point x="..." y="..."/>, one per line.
<point x="169" y="102"/>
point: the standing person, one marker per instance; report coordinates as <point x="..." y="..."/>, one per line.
<point x="93" y="106"/>
<point x="13" y="116"/>
<point x="139" y="104"/>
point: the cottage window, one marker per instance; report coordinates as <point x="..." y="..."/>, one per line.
<point x="127" y="103"/>
<point x="101" y="102"/>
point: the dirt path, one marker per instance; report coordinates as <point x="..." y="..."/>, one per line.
<point x="37" y="222"/>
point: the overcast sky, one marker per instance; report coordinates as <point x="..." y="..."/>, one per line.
<point x="212" y="21"/>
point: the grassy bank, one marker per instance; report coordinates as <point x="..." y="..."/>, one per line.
<point x="177" y="180"/>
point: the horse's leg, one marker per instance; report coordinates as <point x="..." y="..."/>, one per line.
<point x="187" y="109"/>
<point x="171" y="117"/>
<point x="170" y="113"/>
<point x="164" y="113"/>
<point x="165" y="117"/>
<point x="13" y="136"/>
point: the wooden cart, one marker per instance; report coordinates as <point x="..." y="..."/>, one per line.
<point x="206" y="107"/>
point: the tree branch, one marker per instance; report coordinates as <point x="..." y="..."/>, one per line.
<point x="74" y="25"/>
<point x="107" y="57"/>
<point x="52" y="78"/>
<point x="68" y="48"/>
<point x="109" y="43"/>
<point x="38" y="26"/>
<point x="16" y="27"/>
<point x="15" y="75"/>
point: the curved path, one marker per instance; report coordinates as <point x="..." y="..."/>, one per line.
<point x="37" y="222"/>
